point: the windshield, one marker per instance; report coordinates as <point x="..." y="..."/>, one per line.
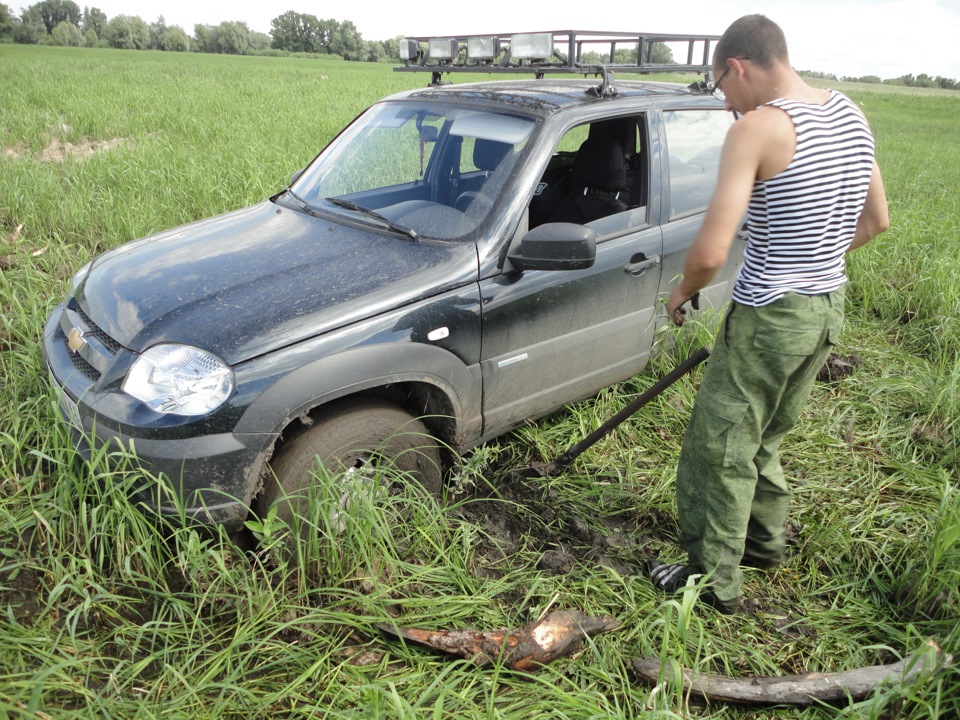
<point x="435" y="170"/>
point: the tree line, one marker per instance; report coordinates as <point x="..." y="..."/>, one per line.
<point x="922" y="80"/>
<point x="62" y="22"/>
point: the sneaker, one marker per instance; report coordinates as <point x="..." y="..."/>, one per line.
<point x="669" y="577"/>
<point x="672" y="578"/>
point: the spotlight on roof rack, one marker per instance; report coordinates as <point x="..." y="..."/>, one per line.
<point x="531" y="46"/>
<point x="443" y="49"/>
<point x="483" y="48"/>
<point x="409" y="49"/>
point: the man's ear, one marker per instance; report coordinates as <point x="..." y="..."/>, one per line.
<point x="737" y="66"/>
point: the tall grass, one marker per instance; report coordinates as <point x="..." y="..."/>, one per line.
<point x="109" y="611"/>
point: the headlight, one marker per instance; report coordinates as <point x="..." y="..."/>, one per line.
<point x="179" y="379"/>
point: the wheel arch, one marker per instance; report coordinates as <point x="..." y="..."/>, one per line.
<point x="429" y="382"/>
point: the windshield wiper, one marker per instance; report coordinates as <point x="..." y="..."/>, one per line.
<point x="300" y="202"/>
<point x="396" y="227"/>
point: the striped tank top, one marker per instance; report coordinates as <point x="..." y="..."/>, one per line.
<point x="801" y="221"/>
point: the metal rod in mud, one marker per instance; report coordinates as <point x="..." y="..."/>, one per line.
<point x="572" y="453"/>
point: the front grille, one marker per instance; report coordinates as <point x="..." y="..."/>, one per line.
<point x="85" y="368"/>
<point x="108" y="342"/>
<point x="93" y="357"/>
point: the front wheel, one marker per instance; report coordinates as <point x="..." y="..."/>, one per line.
<point x="355" y="436"/>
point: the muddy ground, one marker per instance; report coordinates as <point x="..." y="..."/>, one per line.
<point x="520" y="513"/>
<point x="515" y="513"/>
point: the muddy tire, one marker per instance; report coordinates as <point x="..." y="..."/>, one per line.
<point x="353" y="435"/>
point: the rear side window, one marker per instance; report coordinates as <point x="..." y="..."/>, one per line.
<point x="694" y="141"/>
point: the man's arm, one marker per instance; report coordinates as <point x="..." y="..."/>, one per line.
<point x="875" y="217"/>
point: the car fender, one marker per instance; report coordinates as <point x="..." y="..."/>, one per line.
<point x="360" y="369"/>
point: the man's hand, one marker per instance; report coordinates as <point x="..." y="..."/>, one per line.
<point x="676" y="302"/>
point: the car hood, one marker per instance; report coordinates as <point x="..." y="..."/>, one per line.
<point x="244" y="283"/>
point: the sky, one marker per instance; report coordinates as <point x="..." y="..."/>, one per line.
<point x="849" y="38"/>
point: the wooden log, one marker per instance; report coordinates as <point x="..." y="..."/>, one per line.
<point x="802" y="689"/>
<point x="529" y="647"/>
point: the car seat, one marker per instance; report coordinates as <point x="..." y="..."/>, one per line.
<point x="624" y="131"/>
<point x="487" y="156"/>
<point x="599" y="179"/>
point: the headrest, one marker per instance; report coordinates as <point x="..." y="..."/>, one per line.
<point x="623" y="130"/>
<point x="600" y="165"/>
<point x="487" y="154"/>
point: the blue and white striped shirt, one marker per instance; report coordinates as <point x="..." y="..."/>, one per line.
<point x="802" y="221"/>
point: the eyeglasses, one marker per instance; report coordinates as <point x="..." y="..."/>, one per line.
<point x="717" y="92"/>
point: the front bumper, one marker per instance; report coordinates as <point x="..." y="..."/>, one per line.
<point x="212" y="476"/>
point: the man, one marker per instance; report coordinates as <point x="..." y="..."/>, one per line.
<point x="800" y="163"/>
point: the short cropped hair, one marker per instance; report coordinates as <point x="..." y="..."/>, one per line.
<point x="753" y="36"/>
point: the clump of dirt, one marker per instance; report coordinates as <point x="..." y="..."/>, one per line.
<point x="526" y="515"/>
<point x="20" y="593"/>
<point x="837" y="367"/>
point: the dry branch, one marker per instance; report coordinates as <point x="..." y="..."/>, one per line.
<point x="803" y="689"/>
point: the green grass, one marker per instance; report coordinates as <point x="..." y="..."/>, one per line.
<point x="108" y="612"/>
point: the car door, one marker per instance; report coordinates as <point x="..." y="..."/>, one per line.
<point x="550" y="337"/>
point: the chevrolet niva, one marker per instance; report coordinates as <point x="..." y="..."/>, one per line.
<point x="460" y="259"/>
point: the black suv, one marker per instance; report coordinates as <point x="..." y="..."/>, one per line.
<point x="458" y="260"/>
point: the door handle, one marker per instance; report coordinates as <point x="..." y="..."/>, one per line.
<point x="640" y="263"/>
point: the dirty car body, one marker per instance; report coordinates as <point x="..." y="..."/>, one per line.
<point x="439" y="255"/>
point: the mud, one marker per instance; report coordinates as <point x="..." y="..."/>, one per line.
<point x="837" y="367"/>
<point x="519" y="514"/>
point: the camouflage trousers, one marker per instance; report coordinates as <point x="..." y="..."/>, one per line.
<point x="732" y="496"/>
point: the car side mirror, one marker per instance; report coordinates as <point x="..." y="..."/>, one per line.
<point x="296" y="175"/>
<point x="556" y="246"/>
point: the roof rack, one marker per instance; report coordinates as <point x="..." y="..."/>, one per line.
<point x="541" y="53"/>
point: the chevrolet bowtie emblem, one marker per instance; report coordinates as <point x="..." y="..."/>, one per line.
<point x="75" y="339"/>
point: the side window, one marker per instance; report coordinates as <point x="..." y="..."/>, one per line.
<point x="694" y="141"/>
<point x="597" y="177"/>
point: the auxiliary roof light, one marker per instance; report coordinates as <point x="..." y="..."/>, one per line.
<point x="409" y="49"/>
<point x="532" y="46"/>
<point x="443" y="49"/>
<point x="483" y="48"/>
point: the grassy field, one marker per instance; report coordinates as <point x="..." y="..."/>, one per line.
<point x="103" y="614"/>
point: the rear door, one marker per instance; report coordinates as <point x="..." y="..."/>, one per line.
<point x="692" y="135"/>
